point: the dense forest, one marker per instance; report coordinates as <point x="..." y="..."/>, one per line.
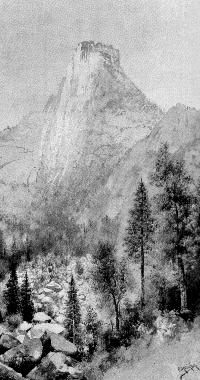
<point x="161" y="238"/>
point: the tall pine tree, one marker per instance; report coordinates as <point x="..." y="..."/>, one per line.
<point x="12" y="293"/>
<point x="139" y="232"/>
<point x="73" y="314"/>
<point x="27" y="307"/>
<point x="174" y="204"/>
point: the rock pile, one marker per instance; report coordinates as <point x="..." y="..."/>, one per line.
<point x="38" y="351"/>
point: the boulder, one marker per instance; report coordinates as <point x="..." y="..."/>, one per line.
<point x="7" y="373"/>
<point x="45" y="299"/>
<point x="55" y="328"/>
<point x="3" y="330"/>
<point x="41" y="317"/>
<point x="24" y="326"/>
<point x="54" y="366"/>
<point x="54" y="286"/>
<point x="20" y="337"/>
<point x="60" y="344"/>
<point x="62" y="294"/>
<point x="7" y="341"/>
<point x="24" y="357"/>
<point x="60" y="319"/>
<point x="47" y="291"/>
<point x="38" y="330"/>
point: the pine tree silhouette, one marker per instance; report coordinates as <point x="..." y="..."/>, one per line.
<point x="12" y="293"/>
<point x="139" y="231"/>
<point x="27" y="307"/>
<point x="73" y="315"/>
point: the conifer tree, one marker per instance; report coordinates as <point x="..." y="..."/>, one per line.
<point x="12" y="293"/>
<point x="195" y="230"/>
<point x="139" y="231"/>
<point x="73" y="315"/>
<point x="109" y="277"/>
<point x="27" y="307"/>
<point x="92" y="329"/>
<point x="174" y="202"/>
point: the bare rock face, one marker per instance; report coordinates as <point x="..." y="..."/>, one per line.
<point x="98" y="115"/>
<point x="95" y="137"/>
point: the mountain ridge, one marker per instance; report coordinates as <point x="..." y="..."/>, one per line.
<point x="96" y="136"/>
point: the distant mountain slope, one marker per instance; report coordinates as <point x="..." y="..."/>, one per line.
<point x="19" y="163"/>
<point x="99" y="115"/>
<point x="96" y="137"/>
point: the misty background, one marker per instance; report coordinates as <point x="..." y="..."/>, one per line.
<point x="158" y="42"/>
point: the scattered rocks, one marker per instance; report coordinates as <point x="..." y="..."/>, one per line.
<point x="59" y="343"/>
<point x="40" y="317"/>
<point x="23" y="357"/>
<point x="54" y="366"/>
<point x="38" y="330"/>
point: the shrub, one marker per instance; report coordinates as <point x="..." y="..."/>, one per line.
<point x="111" y="340"/>
<point x="79" y="268"/>
<point x="130" y="321"/>
<point x="13" y="321"/>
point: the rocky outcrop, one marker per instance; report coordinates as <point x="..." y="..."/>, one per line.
<point x="44" y="354"/>
<point x="92" y="121"/>
<point x="99" y="117"/>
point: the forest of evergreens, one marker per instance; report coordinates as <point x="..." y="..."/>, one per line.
<point x="161" y="238"/>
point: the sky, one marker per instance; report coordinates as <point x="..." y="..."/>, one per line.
<point x="159" y="43"/>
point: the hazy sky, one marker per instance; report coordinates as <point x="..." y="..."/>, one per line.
<point x="159" y="42"/>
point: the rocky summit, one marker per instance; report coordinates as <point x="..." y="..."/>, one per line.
<point x="94" y="137"/>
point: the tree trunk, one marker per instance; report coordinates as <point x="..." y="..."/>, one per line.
<point x="117" y="316"/>
<point x="142" y="277"/>
<point x="183" y="288"/>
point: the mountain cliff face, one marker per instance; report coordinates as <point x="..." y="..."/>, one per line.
<point x="98" y="115"/>
<point x="95" y="137"/>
